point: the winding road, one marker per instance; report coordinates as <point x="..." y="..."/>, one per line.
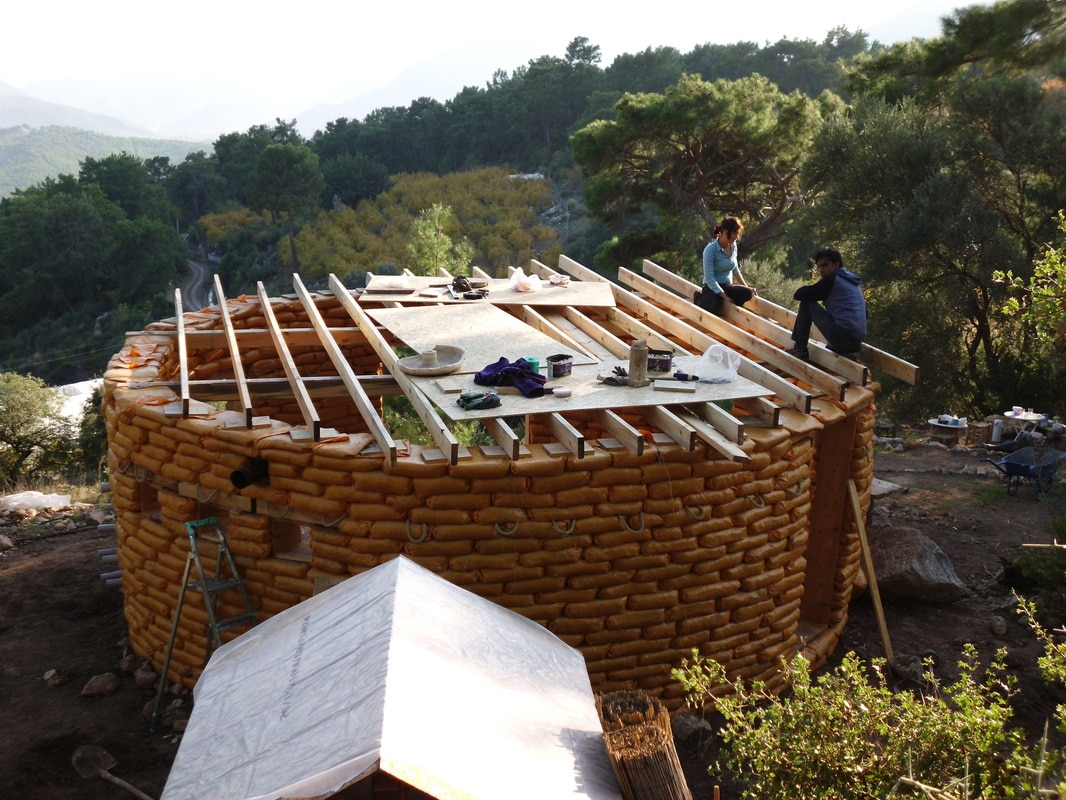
<point x="196" y="293"/>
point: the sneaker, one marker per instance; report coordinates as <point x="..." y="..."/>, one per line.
<point x="800" y="352"/>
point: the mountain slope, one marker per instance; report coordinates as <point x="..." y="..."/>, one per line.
<point x="28" y="155"/>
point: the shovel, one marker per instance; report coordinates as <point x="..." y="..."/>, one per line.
<point x="91" y="759"/>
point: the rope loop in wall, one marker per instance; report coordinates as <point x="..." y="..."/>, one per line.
<point x="282" y="515"/>
<point x="503" y="530"/>
<point x="207" y="499"/>
<point x="757" y="500"/>
<point x="420" y="539"/>
<point x="625" y="523"/>
<point x="334" y="523"/>
<point x="567" y="530"/>
<point x="696" y="512"/>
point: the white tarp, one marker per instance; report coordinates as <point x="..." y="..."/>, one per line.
<point x="451" y="693"/>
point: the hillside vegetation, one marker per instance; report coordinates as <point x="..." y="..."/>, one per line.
<point x="934" y="167"/>
<point x="29" y="155"/>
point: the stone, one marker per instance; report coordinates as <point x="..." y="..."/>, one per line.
<point x="53" y="678"/>
<point x="145" y="676"/>
<point x="685" y="726"/>
<point x="5" y="543"/>
<point x="910" y="565"/>
<point x="100" y="685"/>
<point x="999" y="626"/>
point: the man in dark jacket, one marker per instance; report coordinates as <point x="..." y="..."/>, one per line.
<point x="842" y="318"/>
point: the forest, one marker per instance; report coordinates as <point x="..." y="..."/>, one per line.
<point x="934" y="166"/>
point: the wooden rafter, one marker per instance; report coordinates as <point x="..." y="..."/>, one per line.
<point x="183" y="354"/>
<point x="447" y="443"/>
<point x="303" y="399"/>
<point x="234" y="355"/>
<point x="347" y="375"/>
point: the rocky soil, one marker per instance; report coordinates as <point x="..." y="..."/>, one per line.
<point x="61" y="626"/>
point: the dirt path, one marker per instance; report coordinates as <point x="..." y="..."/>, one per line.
<point x="57" y="613"/>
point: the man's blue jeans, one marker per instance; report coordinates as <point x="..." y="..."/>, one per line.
<point x="840" y="341"/>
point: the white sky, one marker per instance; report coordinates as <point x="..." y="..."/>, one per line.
<point x="359" y="46"/>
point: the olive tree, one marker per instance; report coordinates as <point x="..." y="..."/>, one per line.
<point x="35" y="438"/>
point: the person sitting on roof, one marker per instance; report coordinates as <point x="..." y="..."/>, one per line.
<point x="842" y="318"/>
<point x="721" y="268"/>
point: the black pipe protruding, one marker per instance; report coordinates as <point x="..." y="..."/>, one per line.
<point x="252" y="472"/>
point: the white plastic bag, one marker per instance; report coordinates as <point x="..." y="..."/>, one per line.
<point x="718" y="364"/>
<point x="521" y="282"/>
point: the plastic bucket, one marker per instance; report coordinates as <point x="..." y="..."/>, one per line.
<point x="560" y="365"/>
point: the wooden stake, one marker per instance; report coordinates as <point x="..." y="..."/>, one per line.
<point x="868" y="559"/>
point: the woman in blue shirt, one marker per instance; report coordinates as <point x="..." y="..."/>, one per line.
<point x="721" y="270"/>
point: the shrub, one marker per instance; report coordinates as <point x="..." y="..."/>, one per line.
<point x="847" y="736"/>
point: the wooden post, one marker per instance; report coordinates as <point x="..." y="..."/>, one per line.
<point x="868" y="560"/>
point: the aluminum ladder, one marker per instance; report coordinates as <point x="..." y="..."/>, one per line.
<point x="223" y="577"/>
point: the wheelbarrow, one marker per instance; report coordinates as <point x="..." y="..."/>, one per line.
<point x="1036" y="465"/>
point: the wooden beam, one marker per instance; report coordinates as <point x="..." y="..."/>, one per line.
<point x="303" y="399"/>
<point x="447" y="443"/>
<point x="502" y="433"/>
<point x="234" y="354"/>
<point x="767" y="412"/>
<point x="764" y="351"/>
<point x="714" y="439"/>
<point x="630" y="437"/>
<point x="565" y="433"/>
<point x="260" y="337"/>
<point x="560" y="318"/>
<point x="183" y="354"/>
<point x="729" y="426"/>
<point x="788" y="392"/>
<point x="610" y="343"/>
<point x="317" y="386"/>
<point x="536" y="320"/>
<point x="671" y="424"/>
<point x="344" y="370"/>
<point x="761" y="327"/>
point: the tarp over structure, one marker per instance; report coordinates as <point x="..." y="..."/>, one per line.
<point x="399" y="671"/>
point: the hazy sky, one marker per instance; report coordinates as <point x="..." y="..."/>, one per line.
<point x="298" y="54"/>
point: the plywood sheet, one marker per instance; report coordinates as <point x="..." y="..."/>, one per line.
<point x="483" y="331"/>
<point x="587" y="392"/>
<point x="406" y="290"/>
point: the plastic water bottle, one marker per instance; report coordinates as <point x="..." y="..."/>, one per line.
<point x="997" y="431"/>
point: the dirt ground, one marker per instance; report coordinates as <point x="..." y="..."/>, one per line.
<point x="56" y="613"/>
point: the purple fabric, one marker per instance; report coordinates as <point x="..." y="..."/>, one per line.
<point x="512" y="373"/>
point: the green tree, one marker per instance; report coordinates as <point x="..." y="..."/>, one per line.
<point x="196" y="186"/>
<point x="683" y="159"/>
<point x="129" y="183"/>
<point x="431" y="246"/>
<point x="34" y="436"/>
<point x="288" y="183"/>
<point x="929" y="197"/>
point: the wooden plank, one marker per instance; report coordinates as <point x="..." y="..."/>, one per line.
<point x="351" y="382"/>
<point x="234" y="353"/>
<point x="672" y="425"/>
<point x="567" y="435"/>
<point x="712" y="437"/>
<point x="639" y="330"/>
<point x="505" y="437"/>
<point x="577" y="293"/>
<point x="871" y="575"/>
<point x="485" y="332"/>
<point x="260" y="337"/>
<point x="630" y="437"/>
<point x="303" y="399"/>
<point x="447" y="443"/>
<point x="183" y="354"/>
<point x="766" y="411"/>
<point x="789" y="393"/>
<point x="317" y="386"/>
<point x="886" y="362"/>
<point x="537" y="321"/>
<point x="611" y="343"/>
<point x="561" y="319"/>
<point x="729" y="426"/>
<point x="761" y="327"/>
<point x="764" y="351"/>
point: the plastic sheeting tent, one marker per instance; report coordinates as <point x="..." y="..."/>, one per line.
<point x="395" y="670"/>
